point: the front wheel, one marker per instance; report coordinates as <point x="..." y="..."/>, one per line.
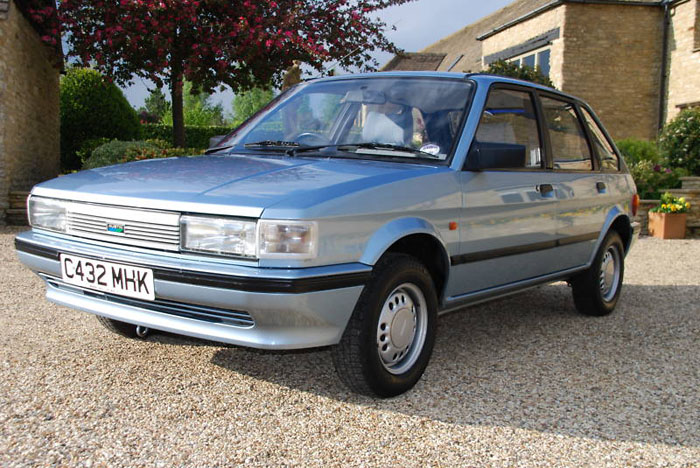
<point x="387" y="344"/>
<point x="597" y="289"/>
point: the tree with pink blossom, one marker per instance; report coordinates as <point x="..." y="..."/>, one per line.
<point x="238" y="43"/>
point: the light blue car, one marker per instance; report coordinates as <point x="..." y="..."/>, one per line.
<point x="350" y="212"/>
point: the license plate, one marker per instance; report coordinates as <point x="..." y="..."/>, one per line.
<point x="124" y="280"/>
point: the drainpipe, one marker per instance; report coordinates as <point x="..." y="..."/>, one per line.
<point x="664" y="60"/>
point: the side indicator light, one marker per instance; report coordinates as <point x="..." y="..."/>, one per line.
<point x="453" y="226"/>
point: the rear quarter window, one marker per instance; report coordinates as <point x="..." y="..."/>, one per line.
<point x="606" y="153"/>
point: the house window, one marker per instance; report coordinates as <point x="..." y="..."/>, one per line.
<point x="543" y="61"/>
<point x="539" y="58"/>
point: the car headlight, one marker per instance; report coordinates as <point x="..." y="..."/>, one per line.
<point x="217" y="235"/>
<point x="47" y="213"/>
<point x="287" y="239"/>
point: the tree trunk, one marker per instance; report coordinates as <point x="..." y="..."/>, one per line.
<point x="178" y="116"/>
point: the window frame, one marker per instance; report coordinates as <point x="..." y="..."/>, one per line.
<point x="595" y="166"/>
<point x="606" y="135"/>
<point x="532" y="92"/>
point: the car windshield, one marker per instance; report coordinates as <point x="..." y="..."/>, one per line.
<point x="405" y="118"/>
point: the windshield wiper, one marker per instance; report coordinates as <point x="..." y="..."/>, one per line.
<point x="218" y="148"/>
<point x="390" y="147"/>
<point x="377" y="146"/>
<point x="272" y="144"/>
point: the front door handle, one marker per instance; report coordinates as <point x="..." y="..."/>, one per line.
<point x="601" y="187"/>
<point x="545" y="189"/>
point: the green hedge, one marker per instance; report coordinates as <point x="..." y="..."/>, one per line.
<point x="118" y="152"/>
<point x="195" y="137"/>
<point x="92" y="109"/>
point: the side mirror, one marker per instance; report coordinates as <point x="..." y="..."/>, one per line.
<point x="495" y="156"/>
<point x="473" y="162"/>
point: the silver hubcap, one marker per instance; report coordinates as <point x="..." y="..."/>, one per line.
<point x="609" y="275"/>
<point x="402" y="327"/>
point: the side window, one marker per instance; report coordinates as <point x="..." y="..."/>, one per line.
<point x="569" y="146"/>
<point x="508" y="126"/>
<point x="608" y="158"/>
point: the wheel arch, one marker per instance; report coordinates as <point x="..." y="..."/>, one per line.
<point x="416" y="237"/>
<point x="618" y="221"/>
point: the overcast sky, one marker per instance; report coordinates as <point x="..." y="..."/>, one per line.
<point x="418" y="24"/>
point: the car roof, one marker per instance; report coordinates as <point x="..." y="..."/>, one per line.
<point x="484" y="79"/>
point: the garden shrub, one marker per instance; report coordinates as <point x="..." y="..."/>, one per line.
<point x="90" y="109"/>
<point x="88" y="146"/>
<point x="653" y="179"/>
<point x="634" y="151"/>
<point x="195" y="137"/>
<point x="680" y="141"/>
<point x="118" y="152"/>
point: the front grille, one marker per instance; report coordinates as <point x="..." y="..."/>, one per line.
<point x="143" y="228"/>
<point x="236" y="318"/>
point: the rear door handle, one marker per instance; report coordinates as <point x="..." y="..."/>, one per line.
<point x="546" y="190"/>
<point x="601" y="187"/>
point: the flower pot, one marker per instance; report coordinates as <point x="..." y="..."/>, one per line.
<point x="667" y="225"/>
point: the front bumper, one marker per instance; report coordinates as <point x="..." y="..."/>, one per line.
<point x="208" y="298"/>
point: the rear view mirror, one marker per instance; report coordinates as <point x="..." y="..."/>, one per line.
<point x="364" y="96"/>
<point x="495" y="156"/>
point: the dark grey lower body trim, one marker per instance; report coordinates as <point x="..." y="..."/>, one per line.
<point x="521" y="249"/>
<point x="457" y="302"/>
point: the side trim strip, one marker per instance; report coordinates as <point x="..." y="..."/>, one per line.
<point x="38" y="250"/>
<point x="520" y="249"/>
<point x="240" y="283"/>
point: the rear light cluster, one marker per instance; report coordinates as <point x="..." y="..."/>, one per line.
<point x="635" y="204"/>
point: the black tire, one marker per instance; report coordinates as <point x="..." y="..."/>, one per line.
<point x="358" y="357"/>
<point x="122" y="328"/>
<point x="590" y="289"/>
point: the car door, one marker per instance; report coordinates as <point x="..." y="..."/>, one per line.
<point x="583" y="191"/>
<point x="509" y="218"/>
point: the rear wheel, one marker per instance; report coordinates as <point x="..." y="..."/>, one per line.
<point x="387" y="344"/>
<point x="597" y="289"/>
<point x="122" y="328"/>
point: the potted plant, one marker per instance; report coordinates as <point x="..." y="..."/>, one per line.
<point x="667" y="220"/>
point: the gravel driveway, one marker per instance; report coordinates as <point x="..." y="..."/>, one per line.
<point x="523" y="381"/>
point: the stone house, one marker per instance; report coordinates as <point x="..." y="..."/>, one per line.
<point x="636" y="62"/>
<point x="29" y="101"/>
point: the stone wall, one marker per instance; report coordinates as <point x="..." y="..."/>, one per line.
<point x="683" y="86"/>
<point x="29" y="108"/>
<point x="522" y="32"/>
<point x="612" y="59"/>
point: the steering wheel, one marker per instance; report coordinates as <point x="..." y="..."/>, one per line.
<point x="311" y="139"/>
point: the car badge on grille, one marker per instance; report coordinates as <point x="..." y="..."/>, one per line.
<point x="116" y="228"/>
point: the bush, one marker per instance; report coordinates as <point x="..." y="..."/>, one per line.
<point x="92" y="109"/>
<point x="635" y="151"/>
<point x="118" y="152"/>
<point x="653" y="179"/>
<point x="511" y="70"/>
<point x="88" y="146"/>
<point x="196" y="137"/>
<point x="680" y="141"/>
